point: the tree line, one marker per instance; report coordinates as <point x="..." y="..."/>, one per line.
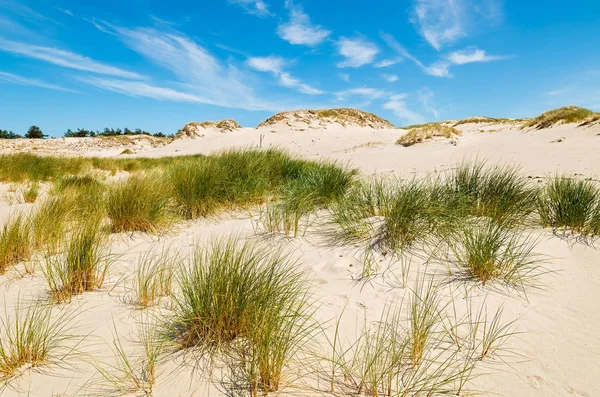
<point x="35" y="132"/>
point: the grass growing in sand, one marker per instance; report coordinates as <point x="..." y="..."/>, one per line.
<point x="499" y="192"/>
<point x="570" y="204"/>
<point x="487" y="251"/>
<point x="426" y="132"/>
<point x="154" y="277"/>
<point x="140" y="203"/>
<point x="31" y="337"/>
<point x="246" y="300"/>
<point x="84" y="265"/>
<point x="566" y="114"/>
<point x="15" y="242"/>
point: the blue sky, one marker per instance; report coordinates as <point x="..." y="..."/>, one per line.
<point x="157" y="65"/>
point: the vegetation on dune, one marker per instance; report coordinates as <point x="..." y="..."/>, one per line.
<point x="343" y="116"/>
<point x="566" y="114"/>
<point x="486" y="120"/>
<point x="34" y="132"/>
<point x="5" y="134"/>
<point x="570" y="204"/>
<point x="83" y="133"/>
<point x="32" y="337"/>
<point x="426" y="132"/>
<point x="15" y="244"/>
<point x="244" y="300"/>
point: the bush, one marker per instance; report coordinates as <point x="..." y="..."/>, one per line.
<point x="566" y="114"/>
<point x="426" y="132"/>
<point x="570" y="204"/>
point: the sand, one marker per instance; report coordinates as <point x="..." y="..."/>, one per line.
<point x="555" y="353"/>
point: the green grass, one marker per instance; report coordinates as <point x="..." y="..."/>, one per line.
<point x="484" y="120"/>
<point x="566" y="114"/>
<point x="487" y="252"/>
<point x="498" y="192"/>
<point x="31" y="337"/>
<point x="570" y="204"/>
<point x="154" y="277"/>
<point x="140" y="203"/>
<point x="50" y="222"/>
<point x="30" y="194"/>
<point x="245" y="299"/>
<point x="15" y="242"/>
<point x="426" y="132"/>
<point x="84" y="265"/>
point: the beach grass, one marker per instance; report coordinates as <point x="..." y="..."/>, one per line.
<point x="426" y="132"/>
<point x="246" y="299"/>
<point x="15" y="242"/>
<point x="565" y="114"/>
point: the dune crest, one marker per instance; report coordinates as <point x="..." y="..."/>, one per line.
<point x="346" y="117"/>
<point x="197" y="130"/>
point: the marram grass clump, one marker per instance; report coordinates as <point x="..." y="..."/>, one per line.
<point x="244" y="300"/>
<point x="427" y="132"/>
<point x="15" y="242"/>
<point x="564" y="115"/>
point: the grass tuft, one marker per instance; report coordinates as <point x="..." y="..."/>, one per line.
<point x="83" y="267"/>
<point x="566" y="114"/>
<point x="245" y="299"/>
<point x="15" y="242"/>
<point x="154" y="277"/>
<point x="427" y="132"/>
<point x="570" y="204"/>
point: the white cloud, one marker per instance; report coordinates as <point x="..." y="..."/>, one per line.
<point x="344" y="76"/>
<point x="65" y="59"/>
<point x="254" y="7"/>
<point x="274" y="64"/>
<point x="143" y="89"/>
<point x="299" y="30"/>
<point x="388" y="62"/>
<point x="371" y="93"/>
<point x="438" y="69"/>
<point x="358" y="52"/>
<point x="16" y="79"/>
<point x="397" y="104"/>
<point x="470" y="55"/>
<point x="64" y="10"/>
<point x="196" y="68"/>
<point x="390" y="78"/>
<point x="426" y="97"/>
<point x="443" y="22"/>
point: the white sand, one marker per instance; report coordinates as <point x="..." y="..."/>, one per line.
<point x="557" y="350"/>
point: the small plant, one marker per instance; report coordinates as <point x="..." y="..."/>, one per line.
<point x="31" y="337"/>
<point x="83" y="267"/>
<point x="133" y="374"/>
<point x="140" y="203"/>
<point x="154" y="278"/>
<point x="420" y="134"/>
<point x="487" y="251"/>
<point x="243" y="299"/>
<point x="15" y="242"/>
<point x="498" y="192"/>
<point x="30" y="194"/>
<point x="570" y="204"/>
<point x="49" y="223"/>
<point x="424" y="315"/>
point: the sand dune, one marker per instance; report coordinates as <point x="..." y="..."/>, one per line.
<point x="555" y="351"/>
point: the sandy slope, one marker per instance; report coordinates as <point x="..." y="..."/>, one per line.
<point x="556" y="352"/>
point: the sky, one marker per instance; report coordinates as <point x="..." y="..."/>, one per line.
<point x="157" y="65"/>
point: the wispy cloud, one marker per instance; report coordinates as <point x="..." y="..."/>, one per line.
<point x="370" y="93"/>
<point x="390" y="78"/>
<point x="254" y="7"/>
<point x="470" y="55"/>
<point x="443" y="22"/>
<point x="20" y="80"/>
<point x="344" y="76"/>
<point x="145" y="90"/>
<point x="65" y="59"/>
<point x="274" y="65"/>
<point x="357" y="52"/>
<point x="18" y="8"/>
<point x="427" y="98"/>
<point x="64" y="10"/>
<point x="397" y="104"/>
<point x="437" y="69"/>
<point x="388" y="62"/>
<point x="299" y="30"/>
